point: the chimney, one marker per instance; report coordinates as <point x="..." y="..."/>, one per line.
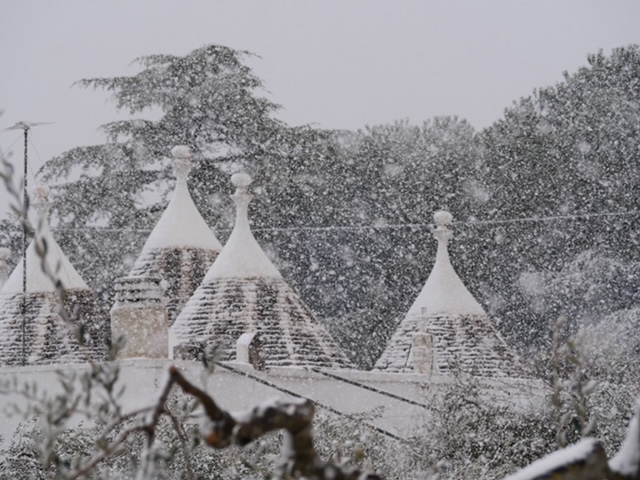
<point x="424" y="354"/>
<point x="248" y="350"/>
<point x="140" y="315"/>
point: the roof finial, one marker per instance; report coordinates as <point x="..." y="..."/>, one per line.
<point x="182" y="163"/>
<point x="241" y="181"/>
<point x="241" y="197"/>
<point x="441" y="232"/>
<point x="41" y="201"/>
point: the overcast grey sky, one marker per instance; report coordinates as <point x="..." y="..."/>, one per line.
<point x="331" y="63"/>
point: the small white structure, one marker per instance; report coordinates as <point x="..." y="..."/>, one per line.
<point x="424" y="355"/>
<point x="462" y="337"/>
<point x="139" y="315"/>
<point x="32" y="330"/>
<point x="248" y="350"/>
<point x="244" y="292"/>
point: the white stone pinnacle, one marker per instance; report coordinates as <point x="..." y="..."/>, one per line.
<point x="181" y="151"/>
<point x="241" y="197"/>
<point x="443" y="218"/>
<point x="41" y="192"/>
<point x="241" y="181"/>
<point x="442" y="233"/>
<point x="182" y="163"/>
<point x="41" y="202"/>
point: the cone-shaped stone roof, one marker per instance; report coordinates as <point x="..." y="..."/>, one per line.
<point x="56" y="260"/>
<point x="42" y="335"/>
<point x="243" y="292"/>
<point x="446" y="330"/>
<point x="181" y="247"/>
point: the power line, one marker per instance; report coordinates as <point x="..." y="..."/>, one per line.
<point x="5" y="156"/>
<point x="33" y="147"/>
<point x="531" y="219"/>
<point x="550" y="218"/>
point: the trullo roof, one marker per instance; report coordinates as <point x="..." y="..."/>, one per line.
<point x="181" y="247"/>
<point x="243" y="292"/>
<point x="446" y="330"/>
<point x="41" y="335"/>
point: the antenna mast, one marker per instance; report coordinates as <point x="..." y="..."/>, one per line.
<point x="25" y="127"/>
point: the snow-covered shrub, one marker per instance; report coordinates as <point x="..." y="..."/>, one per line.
<point x="471" y="436"/>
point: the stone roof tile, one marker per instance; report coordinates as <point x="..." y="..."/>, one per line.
<point x="48" y="338"/>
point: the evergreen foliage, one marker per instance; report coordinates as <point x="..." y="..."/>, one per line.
<point x="569" y="149"/>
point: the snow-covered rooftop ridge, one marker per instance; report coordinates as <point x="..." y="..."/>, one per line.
<point x="57" y="261"/>
<point x="241" y="256"/>
<point x="444" y="292"/>
<point x="181" y="224"/>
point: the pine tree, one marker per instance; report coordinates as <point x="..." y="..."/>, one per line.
<point x="109" y="196"/>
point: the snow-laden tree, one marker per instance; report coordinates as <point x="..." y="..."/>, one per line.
<point x="108" y="196"/>
<point x="206" y="99"/>
<point x="573" y="147"/>
<point x="602" y="284"/>
<point x="569" y="149"/>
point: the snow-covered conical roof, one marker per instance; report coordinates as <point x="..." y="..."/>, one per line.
<point x="181" y="224"/>
<point x="181" y="247"/>
<point x="40" y="335"/>
<point x="56" y="260"/>
<point x="444" y="292"/>
<point x="242" y="257"/>
<point x="446" y="328"/>
<point x="243" y="292"/>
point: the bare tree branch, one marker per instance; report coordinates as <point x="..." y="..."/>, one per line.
<point x="295" y="417"/>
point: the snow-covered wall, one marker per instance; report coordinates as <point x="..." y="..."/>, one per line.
<point x="395" y="403"/>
